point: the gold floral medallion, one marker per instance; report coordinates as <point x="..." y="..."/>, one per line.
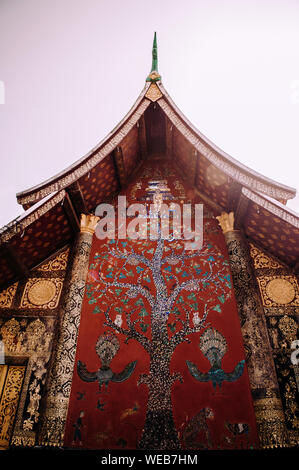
<point x="42" y="292"/>
<point x="280" y="290"/>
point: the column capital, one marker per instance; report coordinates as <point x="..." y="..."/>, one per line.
<point x="88" y="223"/>
<point x="226" y="221"/>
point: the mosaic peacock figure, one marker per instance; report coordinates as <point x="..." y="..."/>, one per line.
<point x="213" y="345"/>
<point x="106" y="347"/>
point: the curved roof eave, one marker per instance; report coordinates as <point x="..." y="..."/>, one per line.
<point x="87" y="162"/>
<point x="239" y="172"/>
<point x="274" y="207"/>
<point x="230" y="166"/>
<point x="30" y="215"/>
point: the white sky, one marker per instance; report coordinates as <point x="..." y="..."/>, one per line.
<point x="73" y="68"/>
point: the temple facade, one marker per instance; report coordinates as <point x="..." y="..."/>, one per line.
<point x="132" y="341"/>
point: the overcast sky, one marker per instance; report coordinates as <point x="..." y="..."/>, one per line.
<point x="71" y="69"/>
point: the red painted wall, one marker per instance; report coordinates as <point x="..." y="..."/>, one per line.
<point x="121" y="414"/>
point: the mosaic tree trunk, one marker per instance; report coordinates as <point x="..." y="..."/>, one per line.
<point x="159" y="429"/>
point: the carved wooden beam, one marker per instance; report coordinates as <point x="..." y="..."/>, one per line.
<point x="233" y="197"/>
<point x="241" y="211"/>
<point x="119" y="166"/>
<point x="169" y="137"/>
<point x="77" y="198"/>
<point x="142" y="137"/>
<point x="71" y="213"/>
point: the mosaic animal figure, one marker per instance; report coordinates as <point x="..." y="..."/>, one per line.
<point x="106" y="347"/>
<point x="193" y="427"/>
<point x="130" y="411"/>
<point x="236" y="430"/>
<point x="213" y="346"/>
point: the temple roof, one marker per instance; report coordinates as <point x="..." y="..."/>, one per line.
<point x="153" y="126"/>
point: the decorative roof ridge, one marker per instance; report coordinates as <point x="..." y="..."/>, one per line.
<point x="218" y="157"/>
<point x="272" y="205"/>
<point x="29" y="216"/>
<point x="88" y="161"/>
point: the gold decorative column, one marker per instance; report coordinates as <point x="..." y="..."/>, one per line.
<point x="262" y="375"/>
<point x="53" y="420"/>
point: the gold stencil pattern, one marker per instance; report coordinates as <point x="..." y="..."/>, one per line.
<point x="270" y="423"/>
<point x="153" y="93"/>
<point x="26" y="336"/>
<point x="281" y="291"/>
<point x="276" y="291"/>
<point x="59" y="263"/>
<point x="42" y="293"/>
<point x="9" y="401"/>
<point x="7" y="296"/>
<point x="288" y="327"/>
<point x="261" y="260"/>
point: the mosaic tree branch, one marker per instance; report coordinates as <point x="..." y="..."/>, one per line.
<point x="182" y="335"/>
<point x="131" y="332"/>
<point x="161" y="297"/>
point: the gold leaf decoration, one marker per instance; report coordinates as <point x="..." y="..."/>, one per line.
<point x="153" y="93"/>
<point x="7" y="296"/>
<point x="276" y="291"/>
<point x="288" y="327"/>
<point x="281" y="291"/>
<point x="9" y="402"/>
<point x="42" y="293"/>
<point x="261" y="260"/>
<point x="59" y="263"/>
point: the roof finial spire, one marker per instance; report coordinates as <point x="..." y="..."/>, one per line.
<point x="154" y="76"/>
<point x="155" y="55"/>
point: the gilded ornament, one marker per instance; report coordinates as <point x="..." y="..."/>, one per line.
<point x="271" y="423"/>
<point x="154" y="77"/>
<point x="288" y="327"/>
<point x="226" y="221"/>
<point x="7" y="296"/>
<point x="153" y="93"/>
<point x="261" y="260"/>
<point x="276" y="291"/>
<point x="280" y="290"/>
<point x="9" y="402"/>
<point x="88" y="223"/>
<point x="41" y="292"/>
<point x="10" y="331"/>
<point x="59" y="263"/>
